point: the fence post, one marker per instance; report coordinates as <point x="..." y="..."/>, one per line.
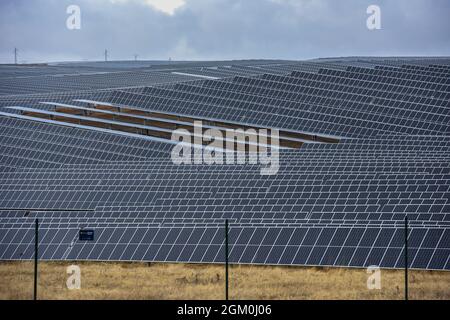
<point x="36" y="241"/>
<point x="406" y="258"/>
<point x="226" y="259"/>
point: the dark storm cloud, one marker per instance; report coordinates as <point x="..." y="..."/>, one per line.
<point x="222" y="29"/>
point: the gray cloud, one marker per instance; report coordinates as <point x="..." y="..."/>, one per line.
<point x="222" y="29"/>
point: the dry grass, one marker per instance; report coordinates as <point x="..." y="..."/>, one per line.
<point x="182" y="281"/>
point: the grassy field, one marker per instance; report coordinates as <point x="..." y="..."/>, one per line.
<point x="183" y="281"/>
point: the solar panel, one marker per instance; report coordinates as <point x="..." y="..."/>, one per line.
<point x="330" y="204"/>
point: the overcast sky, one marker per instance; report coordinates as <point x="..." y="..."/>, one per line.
<point x="221" y="29"/>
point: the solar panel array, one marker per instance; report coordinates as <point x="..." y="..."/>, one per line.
<point x="338" y="204"/>
<point x="21" y="80"/>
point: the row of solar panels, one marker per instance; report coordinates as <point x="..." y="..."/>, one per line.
<point x="298" y="187"/>
<point x="85" y="82"/>
<point x="326" y="246"/>
<point x="14" y="219"/>
<point x="15" y="80"/>
<point x="407" y="114"/>
<point x="382" y="115"/>
<point x="44" y="143"/>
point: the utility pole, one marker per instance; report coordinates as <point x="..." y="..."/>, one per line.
<point x="106" y="55"/>
<point x="15" y="55"/>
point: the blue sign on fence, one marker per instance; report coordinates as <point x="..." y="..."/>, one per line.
<point x="86" y="235"/>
